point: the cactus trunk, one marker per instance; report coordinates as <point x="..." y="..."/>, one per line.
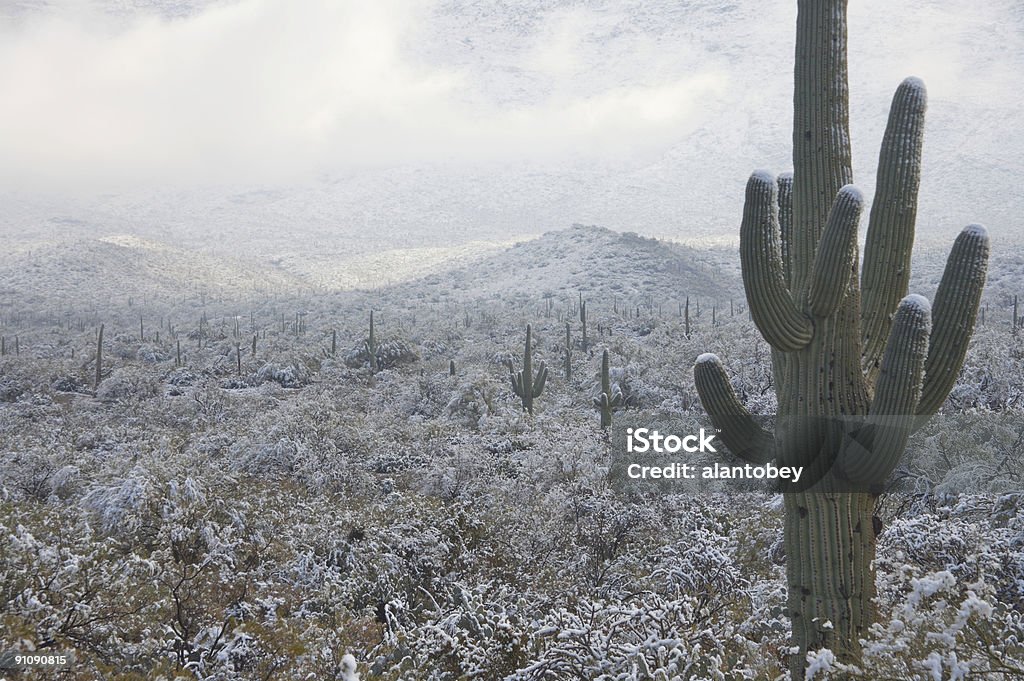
<point x="830" y="543"/>
<point x="609" y="400"/>
<point x="858" y="364"/>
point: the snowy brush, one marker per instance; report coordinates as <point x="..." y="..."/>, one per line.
<point x="858" y="363"/>
<point x="527" y="386"/>
<point x="609" y="400"/>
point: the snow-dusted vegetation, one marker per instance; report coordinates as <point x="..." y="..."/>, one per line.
<point x="188" y="517"/>
<point x="304" y="375"/>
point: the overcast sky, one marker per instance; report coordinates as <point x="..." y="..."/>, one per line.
<point x="275" y="89"/>
<point x="117" y="95"/>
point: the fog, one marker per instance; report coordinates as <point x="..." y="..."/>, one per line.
<point x="625" y="101"/>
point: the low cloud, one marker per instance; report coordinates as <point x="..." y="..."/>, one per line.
<point x="271" y="90"/>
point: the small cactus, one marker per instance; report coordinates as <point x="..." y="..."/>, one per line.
<point x="371" y="346"/>
<point x="583" y="321"/>
<point x="609" y="400"/>
<point x="99" y="358"/>
<point x="686" y="316"/>
<point x="568" y="354"/>
<point x="527" y="386"/>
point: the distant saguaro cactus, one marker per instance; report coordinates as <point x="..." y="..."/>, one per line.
<point x="858" y="363"/>
<point x="527" y="386"/>
<point x="583" y="322"/>
<point x="99" y="358"/>
<point x="609" y="400"/>
<point x="686" y="317"/>
<point x="371" y="346"/>
<point x="568" y="354"/>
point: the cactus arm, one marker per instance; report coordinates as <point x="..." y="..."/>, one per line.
<point x="737" y="428"/>
<point x="604" y="405"/>
<point x="516" y="383"/>
<point x="771" y="306"/>
<point x="954" y="313"/>
<point x="542" y="377"/>
<point x="830" y="274"/>
<point x="897" y="395"/>
<point x="886" y="272"/>
<point x="785" y="182"/>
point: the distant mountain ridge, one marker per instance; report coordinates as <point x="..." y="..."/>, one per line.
<point x="598" y="262"/>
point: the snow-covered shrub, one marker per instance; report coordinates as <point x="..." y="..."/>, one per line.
<point x="127" y="384"/>
<point x="289" y="374"/>
<point x="391" y="352"/>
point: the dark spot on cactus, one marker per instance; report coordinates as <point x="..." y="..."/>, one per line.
<point x="803" y="511"/>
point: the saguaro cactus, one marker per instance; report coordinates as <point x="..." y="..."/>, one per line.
<point x="99" y="358"/>
<point x="527" y="386"/>
<point x="583" y="322"/>
<point x="686" y="316"/>
<point x="568" y="354"/>
<point x="371" y="347"/>
<point x="609" y="400"/>
<point x="858" y="363"/>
